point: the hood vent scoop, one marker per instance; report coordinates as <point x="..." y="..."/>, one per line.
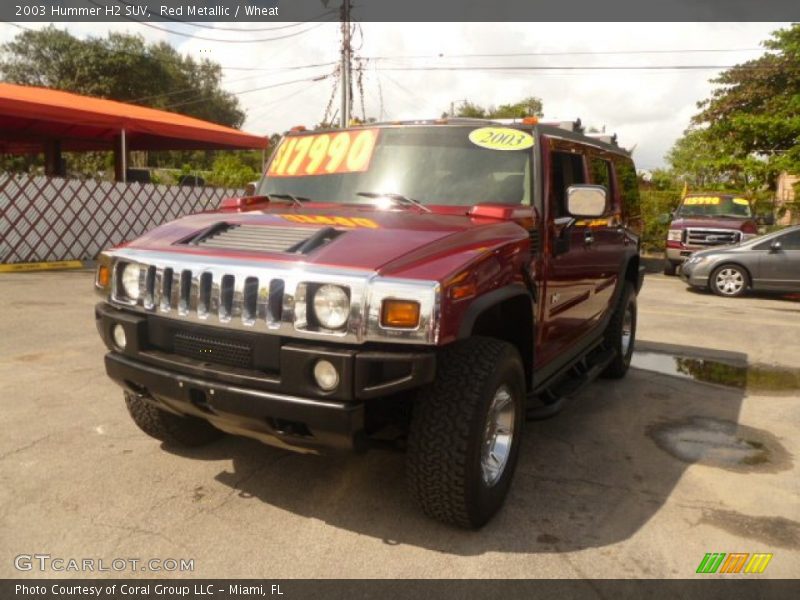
<point x="259" y="238"/>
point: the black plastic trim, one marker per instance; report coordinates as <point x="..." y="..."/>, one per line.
<point x="487" y="301"/>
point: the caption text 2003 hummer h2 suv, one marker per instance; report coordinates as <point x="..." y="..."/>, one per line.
<point x="429" y="283"/>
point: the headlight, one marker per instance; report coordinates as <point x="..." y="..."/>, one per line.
<point x="331" y="306"/>
<point x="130" y="281"/>
<point x="675" y="235"/>
<point x="693" y="260"/>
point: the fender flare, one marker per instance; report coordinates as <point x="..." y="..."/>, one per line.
<point x="488" y="300"/>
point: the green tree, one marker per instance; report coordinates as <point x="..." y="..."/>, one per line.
<point x="233" y="170"/>
<point x="753" y="116"/>
<point x="527" y="107"/>
<point x="121" y="67"/>
<point x="705" y="161"/>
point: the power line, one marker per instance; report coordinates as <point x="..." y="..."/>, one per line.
<point x="258" y="89"/>
<point x="234" y="41"/>
<point x="223" y="67"/>
<point x="237" y="80"/>
<point x="588" y="68"/>
<point x="564" y="53"/>
<point x="248" y="30"/>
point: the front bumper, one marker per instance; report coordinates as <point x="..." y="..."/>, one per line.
<point x="695" y="275"/>
<point x="277" y="401"/>
<point x="679" y="255"/>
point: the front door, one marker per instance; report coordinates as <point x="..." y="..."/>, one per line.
<point x="572" y="267"/>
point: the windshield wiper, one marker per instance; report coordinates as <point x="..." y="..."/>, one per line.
<point x="397" y="198"/>
<point x="296" y="200"/>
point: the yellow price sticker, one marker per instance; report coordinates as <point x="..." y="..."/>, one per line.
<point x="324" y="154"/>
<point x="501" y="138"/>
<point x="742" y="201"/>
<point x="701" y="200"/>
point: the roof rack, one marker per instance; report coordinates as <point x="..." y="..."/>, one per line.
<point x="574" y="126"/>
<point x="604" y="137"/>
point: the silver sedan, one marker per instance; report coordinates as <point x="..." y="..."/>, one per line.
<point x="767" y="263"/>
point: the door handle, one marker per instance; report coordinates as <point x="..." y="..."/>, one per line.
<point x="588" y="238"/>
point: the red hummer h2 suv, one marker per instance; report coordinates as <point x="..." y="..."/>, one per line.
<point x="428" y="284"/>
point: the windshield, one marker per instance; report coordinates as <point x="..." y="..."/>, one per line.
<point x="443" y="165"/>
<point x="715" y="206"/>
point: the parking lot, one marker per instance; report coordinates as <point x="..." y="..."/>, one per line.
<point x="694" y="452"/>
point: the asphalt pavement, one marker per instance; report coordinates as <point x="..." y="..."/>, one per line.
<point x="694" y="452"/>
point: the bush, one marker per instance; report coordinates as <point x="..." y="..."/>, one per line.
<point x="654" y="204"/>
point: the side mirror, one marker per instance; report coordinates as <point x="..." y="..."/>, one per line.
<point x="250" y="189"/>
<point x="775" y="246"/>
<point x="586" y="201"/>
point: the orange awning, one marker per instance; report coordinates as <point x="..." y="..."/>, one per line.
<point x="32" y="116"/>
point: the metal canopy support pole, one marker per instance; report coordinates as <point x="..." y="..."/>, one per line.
<point x="121" y="157"/>
<point x="346" y="51"/>
<point x="124" y="150"/>
<point x="53" y="162"/>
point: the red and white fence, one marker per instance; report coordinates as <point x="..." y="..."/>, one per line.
<point x="51" y="219"/>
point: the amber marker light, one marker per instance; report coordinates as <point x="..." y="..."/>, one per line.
<point x="400" y="313"/>
<point x="103" y="276"/>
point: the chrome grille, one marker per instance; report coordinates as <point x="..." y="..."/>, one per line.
<point x="257" y="238"/>
<point x="212" y="295"/>
<point x="251" y="294"/>
<point x="712" y="237"/>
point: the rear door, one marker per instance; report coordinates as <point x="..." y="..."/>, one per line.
<point x="607" y="234"/>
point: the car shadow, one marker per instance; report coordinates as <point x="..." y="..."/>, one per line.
<point x="792" y="297"/>
<point x="592" y="476"/>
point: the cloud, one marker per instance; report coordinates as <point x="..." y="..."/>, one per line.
<point x="648" y="109"/>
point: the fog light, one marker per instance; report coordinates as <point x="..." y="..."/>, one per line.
<point x="326" y="375"/>
<point x="118" y="333"/>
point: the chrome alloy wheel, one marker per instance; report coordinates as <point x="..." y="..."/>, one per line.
<point x="498" y="436"/>
<point x="627" y="329"/>
<point x="729" y="281"/>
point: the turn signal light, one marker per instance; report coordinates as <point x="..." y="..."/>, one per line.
<point x="103" y="276"/>
<point x="400" y="313"/>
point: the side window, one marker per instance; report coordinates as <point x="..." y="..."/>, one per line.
<point x="629" y="190"/>
<point x="601" y="174"/>
<point x="566" y="169"/>
<point x="790" y="241"/>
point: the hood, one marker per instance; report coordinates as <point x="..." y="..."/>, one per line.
<point x="736" y="223"/>
<point x="388" y="242"/>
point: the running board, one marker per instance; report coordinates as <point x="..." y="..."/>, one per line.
<point x="581" y="374"/>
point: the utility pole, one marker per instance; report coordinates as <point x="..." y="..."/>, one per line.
<point x="345" y="68"/>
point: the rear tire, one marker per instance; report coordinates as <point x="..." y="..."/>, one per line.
<point x="465" y="432"/>
<point x="621" y="334"/>
<point x="170" y="429"/>
<point x="670" y="268"/>
<point x="729" y="281"/>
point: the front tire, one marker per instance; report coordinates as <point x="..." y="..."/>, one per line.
<point x="729" y="281"/>
<point x="621" y="334"/>
<point x="170" y="428"/>
<point x="465" y="432"/>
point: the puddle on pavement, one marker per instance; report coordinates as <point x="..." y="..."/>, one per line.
<point x="773" y="531"/>
<point x="754" y="378"/>
<point x="723" y="444"/>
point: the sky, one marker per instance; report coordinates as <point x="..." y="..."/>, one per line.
<point x="647" y="109"/>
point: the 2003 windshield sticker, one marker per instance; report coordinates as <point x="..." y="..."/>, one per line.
<point x="501" y="138"/>
<point x="324" y="154"/>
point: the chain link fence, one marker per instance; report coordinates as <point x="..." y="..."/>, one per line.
<point x="46" y="219"/>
